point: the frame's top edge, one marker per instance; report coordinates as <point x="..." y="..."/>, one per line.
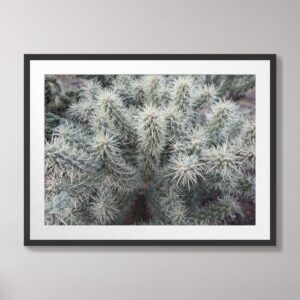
<point x="29" y="57"/>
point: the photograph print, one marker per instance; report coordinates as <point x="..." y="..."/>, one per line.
<point x="131" y="151"/>
<point x="150" y="150"/>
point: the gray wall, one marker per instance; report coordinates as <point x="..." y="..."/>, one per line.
<point x="156" y="26"/>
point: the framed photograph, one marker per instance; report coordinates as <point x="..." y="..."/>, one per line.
<point x="150" y="149"/>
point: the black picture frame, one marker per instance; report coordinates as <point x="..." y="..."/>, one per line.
<point x="31" y="57"/>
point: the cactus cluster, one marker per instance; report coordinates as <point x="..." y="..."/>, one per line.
<point x="141" y="149"/>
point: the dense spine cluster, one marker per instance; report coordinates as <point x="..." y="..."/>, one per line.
<point x="168" y="144"/>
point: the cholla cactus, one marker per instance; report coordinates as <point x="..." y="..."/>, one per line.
<point x="232" y="86"/>
<point x="170" y="144"/>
